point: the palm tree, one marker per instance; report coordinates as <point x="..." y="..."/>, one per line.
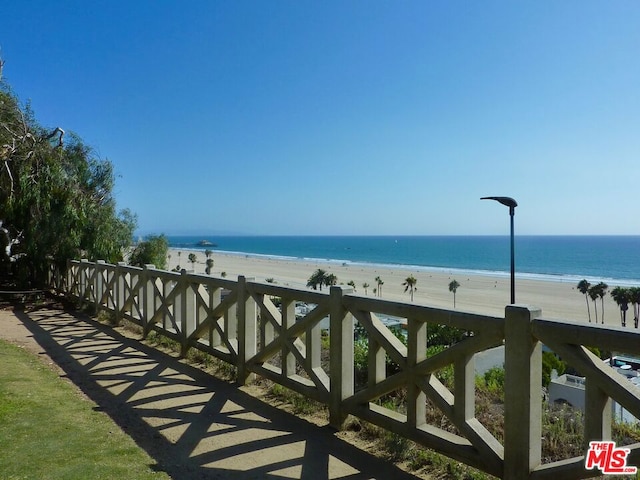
<point x="317" y="279"/>
<point x="365" y="285"/>
<point x="193" y="259"/>
<point x="330" y="279"/>
<point x="453" y="286"/>
<point x="593" y="295"/>
<point x="380" y="283"/>
<point x="583" y="287"/>
<point x="207" y="270"/>
<point x="622" y="297"/>
<point x="634" y="298"/>
<point x="602" y="290"/>
<point x="410" y="285"/>
<point x="352" y="284"/>
<point x="207" y="253"/>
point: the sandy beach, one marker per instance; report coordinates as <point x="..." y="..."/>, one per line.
<point x="477" y="293"/>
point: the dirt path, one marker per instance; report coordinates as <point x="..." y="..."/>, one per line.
<point x="192" y="424"/>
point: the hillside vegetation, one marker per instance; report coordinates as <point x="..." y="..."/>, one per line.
<point x="56" y="197"/>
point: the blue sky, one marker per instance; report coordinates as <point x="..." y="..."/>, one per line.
<point x="368" y="117"/>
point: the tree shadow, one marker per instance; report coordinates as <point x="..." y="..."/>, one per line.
<point x="193" y="425"/>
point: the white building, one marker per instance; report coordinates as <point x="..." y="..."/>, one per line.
<point x="570" y="388"/>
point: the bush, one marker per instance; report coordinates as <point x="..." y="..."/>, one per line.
<point x="361" y="359"/>
<point x="361" y="351"/>
<point x="444" y="334"/>
<point x="494" y="380"/>
<point x="151" y="251"/>
<point x="445" y="375"/>
<point x="56" y="197"/>
<point x="551" y="362"/>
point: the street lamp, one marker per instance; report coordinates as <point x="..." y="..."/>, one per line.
<point x="512" y="204"/>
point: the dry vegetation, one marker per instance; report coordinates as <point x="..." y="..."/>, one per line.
<point x="562" y="426"/>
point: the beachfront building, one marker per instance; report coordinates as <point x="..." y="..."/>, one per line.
<point x="570" y="389"/>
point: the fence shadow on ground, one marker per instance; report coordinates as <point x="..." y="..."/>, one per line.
<point x="193" y="425"/>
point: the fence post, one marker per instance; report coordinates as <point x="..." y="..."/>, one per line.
<point x="215" y="297"/>
<point x="50" y="276"/>
<point x="69" y="277"/>
<point x="148" y="296"/>
<point x="93" y="282"/>
<point x="416" y="352"/>
<point x="187" y="321"/>
<point x="54" y="279"/>
<point x="98" y="284"/>
<point x="598" y="413"/>
<point x="288" y="310"/>
<point x="247" y="330"/>
<point x="523" y="394"/>
<point x="83" y="282"/>
<point x="119" y="293"/>
<point x="341" y="354"/>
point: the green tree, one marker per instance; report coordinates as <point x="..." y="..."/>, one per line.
<point x="622" y="297"/>
<point x="593" y="295"/>
<point x="453" y="287"/>
<point x="494" y="380"/>
<point x="330" y="280"/>
<point x="634" y="298"/>
<point x="438" y="334"/>
<point x="365" y="285"/>
<point x="352" y="284"/>
<point x="361" y="352"/>
<point x="379" y="282"/>
<point x="602" y="291"/>
<point x="551" y="362"/>
<point x="207" y="253"/>
<point x="583" y="287"/>
<point x="317" y="279"/>
<point x="410" y="285"/>
<point x="153" y="250"/>
<point x="56" y="196"/>
<point x="193" y="258"/>
<point x="209" y="266"/>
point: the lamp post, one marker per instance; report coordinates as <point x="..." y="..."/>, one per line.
<point x="512" y="204"/>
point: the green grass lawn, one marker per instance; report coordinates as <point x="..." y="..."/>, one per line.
<point x="49" y="431"/>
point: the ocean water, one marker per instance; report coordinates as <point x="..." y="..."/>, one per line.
<point x="613" y="259"/>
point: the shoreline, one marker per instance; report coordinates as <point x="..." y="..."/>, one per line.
<point x="483" y="293"/>
<point x="608" y="258"/>
<point x="544" y="277"/>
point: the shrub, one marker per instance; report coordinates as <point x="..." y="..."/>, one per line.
<point x="444" y="334"/>
<point x="151" y="251"/>
<point x="56" y="197"/>
<point x="494" y="380"/>
<point x="551" y="362"/>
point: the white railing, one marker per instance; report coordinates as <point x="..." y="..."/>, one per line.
<point x="238" y="322"/>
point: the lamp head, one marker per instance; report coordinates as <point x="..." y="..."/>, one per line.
<point x="508" y="201"/>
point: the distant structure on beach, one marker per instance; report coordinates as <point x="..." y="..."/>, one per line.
<point x="206" y="243"/>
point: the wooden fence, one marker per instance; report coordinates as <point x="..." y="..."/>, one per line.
<point x="239" y="323"/>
